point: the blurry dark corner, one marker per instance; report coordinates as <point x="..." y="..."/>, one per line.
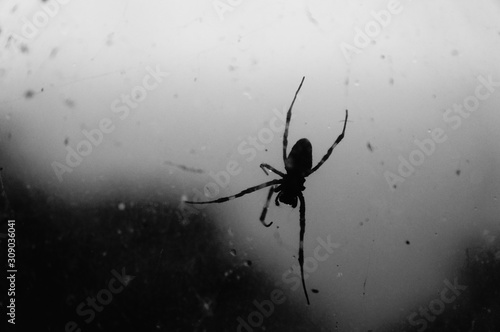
<point x="6" y="212"/>
<point x="185" y="276"/>
<point x="478" y="308"/>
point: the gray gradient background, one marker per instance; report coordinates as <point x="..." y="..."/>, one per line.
<point x="226" y="74"/>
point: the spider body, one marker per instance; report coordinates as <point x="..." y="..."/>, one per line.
<point x="289" y="190"/>
<point x="299" y="161"/>
<point x="298" y="166"/>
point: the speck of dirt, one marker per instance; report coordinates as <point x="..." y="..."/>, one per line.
<point x="407" y="242"/>
<point x="69" y="102"/>
<point x="109" y="40"/>
<point x="369" y="146"/>
<point x="458" y="172"/>
<point x="24" y="48"/>
<point x="248" y="263"/>
<point x="66" y="141"/>
<point x="54" y="52"/>
<point x="315" y="291"/>
<point x="29" y="94"/>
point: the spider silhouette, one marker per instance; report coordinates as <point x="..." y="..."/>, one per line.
<point x="298" y="166"/>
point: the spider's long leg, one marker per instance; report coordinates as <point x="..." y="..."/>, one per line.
<point x="329" y="152"/>
<point x="301" y="248"/>
<point x="244" y="192"/>
<point x="288" y="117"/>
<point x="266" y="206"/>
<point x="272" y="169"/>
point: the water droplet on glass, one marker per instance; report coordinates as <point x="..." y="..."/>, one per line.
<point x="233" y="252"/>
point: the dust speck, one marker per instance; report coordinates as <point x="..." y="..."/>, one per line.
<point x="69" y="102"/>
<point x="369" y="146"/>
<point x="29" y="94"/>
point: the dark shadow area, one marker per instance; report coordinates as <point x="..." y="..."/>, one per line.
<point x="132" y="266"/>
<point x="471" y="303"/>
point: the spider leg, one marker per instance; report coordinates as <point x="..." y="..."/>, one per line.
<point x="329" y="152"/>
<point x="288" y="117"/>
<point x="265" y="166"/>
<point x="266" y="206"/>
<point x="244" y="192"/>
<point x="276" y="200"/>
<point x="265" y="170"/>
<point x="301" y="248"/>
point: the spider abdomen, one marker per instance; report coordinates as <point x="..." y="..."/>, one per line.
<point x="299" y="161"/>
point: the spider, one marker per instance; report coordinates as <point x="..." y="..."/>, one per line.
<point x="298" y="166"/>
